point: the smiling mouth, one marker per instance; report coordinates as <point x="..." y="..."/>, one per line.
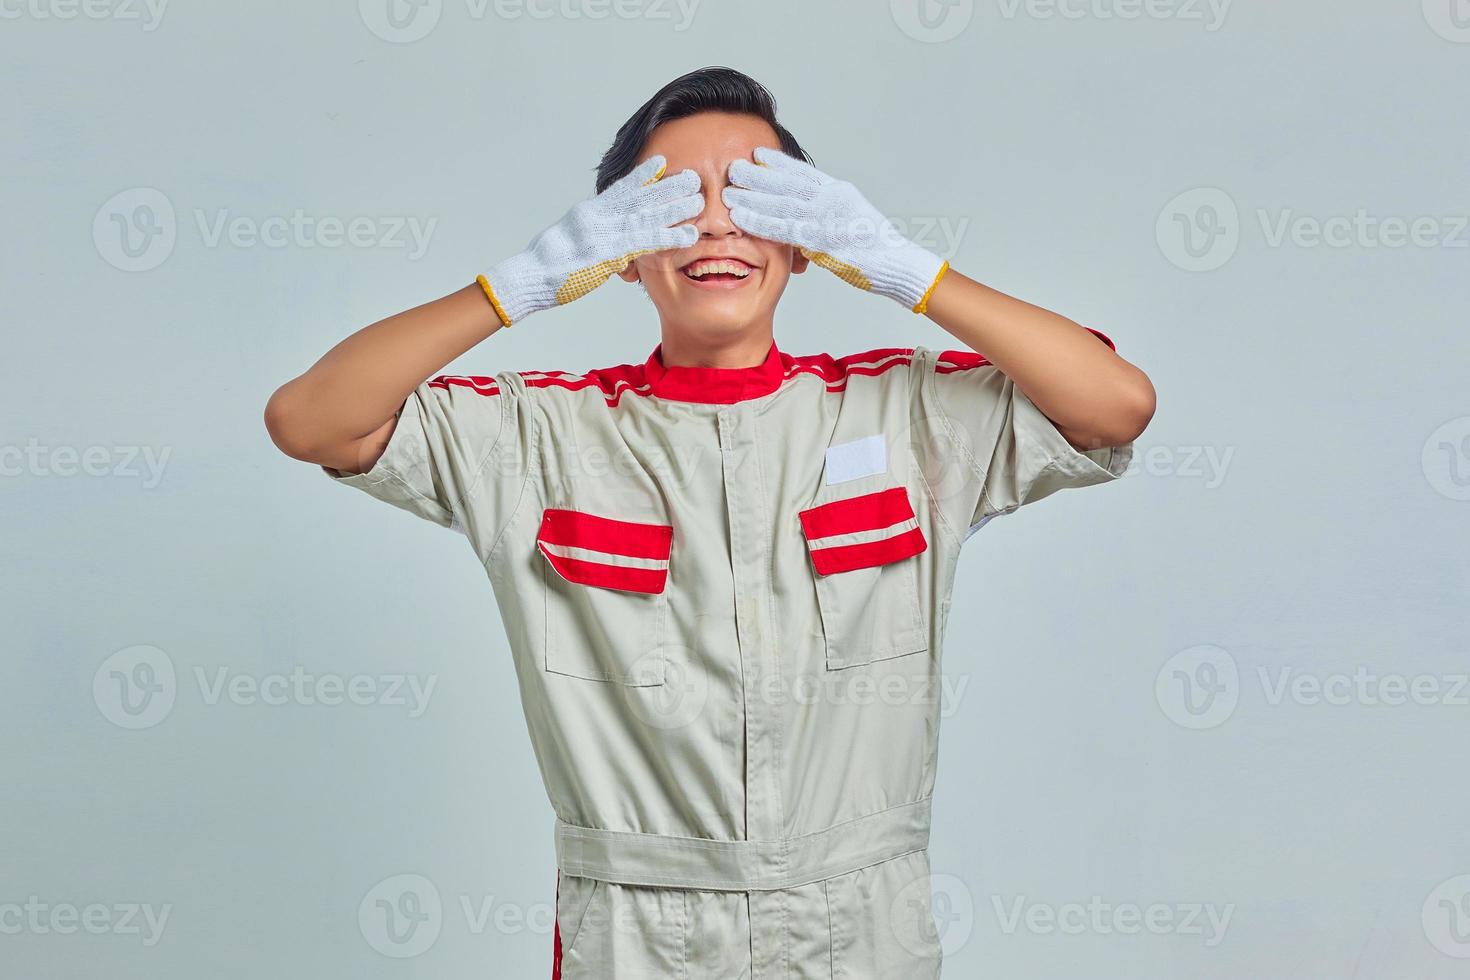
<point x="717" y="270"/>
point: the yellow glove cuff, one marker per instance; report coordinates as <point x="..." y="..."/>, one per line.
<point x="490" y="295"/>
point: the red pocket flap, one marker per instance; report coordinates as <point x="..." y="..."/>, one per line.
<point x="609" y="554"/>
<point x="861" y="532"/>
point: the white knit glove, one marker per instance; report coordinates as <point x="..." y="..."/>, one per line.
<point x="596" y="239"/>
<point x="788" y="200"/>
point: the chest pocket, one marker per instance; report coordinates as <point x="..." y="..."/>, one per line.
<point x="606" y="600"/>
<point x="862" y="550"/>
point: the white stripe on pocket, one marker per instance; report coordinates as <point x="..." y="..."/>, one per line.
<point x="603" y="557"/>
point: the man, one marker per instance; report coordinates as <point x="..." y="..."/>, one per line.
<point x="725" y="571"/>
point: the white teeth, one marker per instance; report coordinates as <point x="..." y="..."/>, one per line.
<point x="699" y="269"/>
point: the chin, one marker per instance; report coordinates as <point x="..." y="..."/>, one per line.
<point x="719" y="327"/>
<point x="715" y="317"/>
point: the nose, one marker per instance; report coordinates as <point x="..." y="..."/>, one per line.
<point x="714" y="221"/>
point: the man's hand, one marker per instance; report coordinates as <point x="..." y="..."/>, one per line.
<point x="788" y="200"/>
<point x="596" y="239"/>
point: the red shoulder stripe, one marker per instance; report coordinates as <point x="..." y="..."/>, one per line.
<point x="836" y="370"/>
<point x="478" y="383"/>
<point x="612" y="382"/>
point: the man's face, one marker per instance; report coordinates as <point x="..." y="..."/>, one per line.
<point x="717" y="306"/>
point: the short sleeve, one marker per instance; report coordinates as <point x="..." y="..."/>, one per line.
<point x="457" y="455"/>
<point x="985" y="448"/>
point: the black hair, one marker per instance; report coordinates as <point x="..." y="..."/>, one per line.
<point x="712" y="89"/>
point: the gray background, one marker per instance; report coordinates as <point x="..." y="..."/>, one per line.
<point x="1297" y="509"/>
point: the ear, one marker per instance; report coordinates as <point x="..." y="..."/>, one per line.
<point x="799" y="262"/>
<point x="630" y="274"/>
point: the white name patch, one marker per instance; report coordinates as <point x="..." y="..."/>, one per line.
<point x="857" y="459"/>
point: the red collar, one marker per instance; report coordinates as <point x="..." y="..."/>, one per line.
<point x="713" y="386"/>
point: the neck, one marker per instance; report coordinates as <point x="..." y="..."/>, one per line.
<point x="748" y="349"/>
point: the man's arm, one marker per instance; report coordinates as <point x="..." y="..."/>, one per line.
<point x="341" y="412"/>
<point x="1093" y="396"/>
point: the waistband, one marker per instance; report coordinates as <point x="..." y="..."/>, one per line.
<point x="630" y="858"/>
